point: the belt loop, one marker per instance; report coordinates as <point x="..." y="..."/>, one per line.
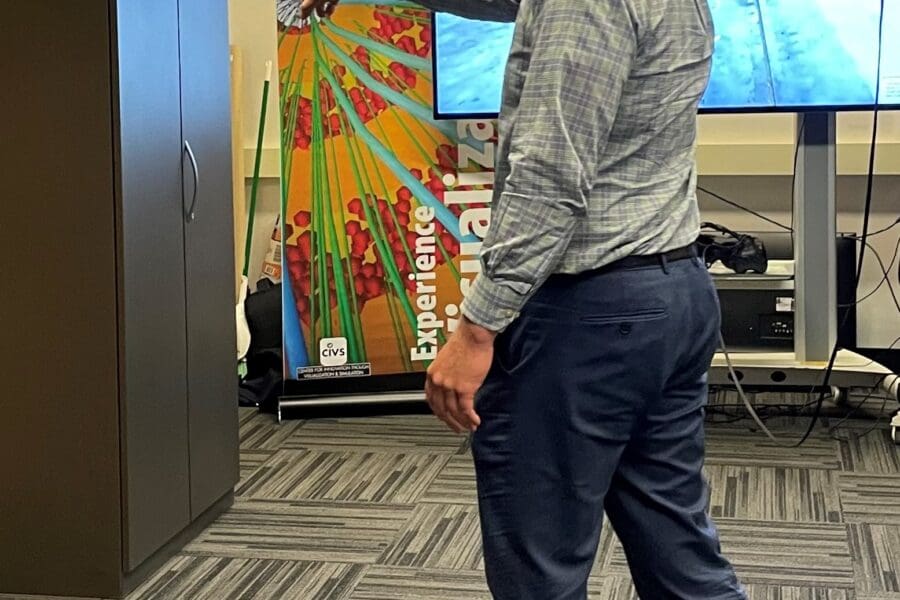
<point x="664" y="260"/>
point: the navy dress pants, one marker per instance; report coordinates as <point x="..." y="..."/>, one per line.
<point x="594" y="405"/>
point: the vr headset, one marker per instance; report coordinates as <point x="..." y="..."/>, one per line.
<point x="739" y="252"/>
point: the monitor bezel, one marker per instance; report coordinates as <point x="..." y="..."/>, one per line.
<point x="740" y="110"/>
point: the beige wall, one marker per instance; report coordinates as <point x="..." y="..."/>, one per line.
<point x="746" y="158"/>
<point x="253" y="32"/>
<point x="764" y="144"/>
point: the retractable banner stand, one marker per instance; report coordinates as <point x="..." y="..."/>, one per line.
<point x="385" y="208"/>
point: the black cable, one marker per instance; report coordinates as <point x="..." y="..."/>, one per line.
<point x="894" y="343"/>
<point x="884" y="401"/>
<point x="891" y="347"/>
<point x="859" y="406"/>
<point x="769" y="411"/>
<point x="795" y="410"/>
<point x="886" y="276"/>
<point x="793" y="191"/>
<point x="876" y="423"/>
<point x="885" y="229"/>
<point x="870" y="180"/>
<point x="743" y="208"/>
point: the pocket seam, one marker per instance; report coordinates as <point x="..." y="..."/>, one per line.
<point x="633" y="317"/>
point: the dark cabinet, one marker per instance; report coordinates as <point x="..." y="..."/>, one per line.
<point x="209" y="262"/>
<point x="118" y="431"/>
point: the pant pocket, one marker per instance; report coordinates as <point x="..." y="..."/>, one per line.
<point x="635" y="316"/>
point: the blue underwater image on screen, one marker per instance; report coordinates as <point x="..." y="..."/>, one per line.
<point x="769" y="54"/>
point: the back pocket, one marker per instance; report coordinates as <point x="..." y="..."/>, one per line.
<point x="637" y="316"/>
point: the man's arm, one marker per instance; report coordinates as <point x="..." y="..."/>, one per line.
<point x="483" y="10"/>
<point x="582" y="55"/>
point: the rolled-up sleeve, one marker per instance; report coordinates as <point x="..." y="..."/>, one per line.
<point x="582" y="55"/>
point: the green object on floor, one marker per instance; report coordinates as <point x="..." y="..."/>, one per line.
<point x="243" y="328"/>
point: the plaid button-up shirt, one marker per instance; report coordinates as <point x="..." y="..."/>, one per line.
<point x="596" y="145"/>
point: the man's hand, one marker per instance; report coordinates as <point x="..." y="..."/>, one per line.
<point x="323" y="8"/>
<point x="456" y="375"/>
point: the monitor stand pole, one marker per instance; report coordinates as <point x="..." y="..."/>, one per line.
<point x="815" y="232"/>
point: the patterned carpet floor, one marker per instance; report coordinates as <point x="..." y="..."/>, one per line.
<point x="383" y="508"/>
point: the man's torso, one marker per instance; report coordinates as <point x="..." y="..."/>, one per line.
<point x="644" y="195"/>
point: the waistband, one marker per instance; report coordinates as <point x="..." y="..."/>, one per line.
<point x="649" y="260"/>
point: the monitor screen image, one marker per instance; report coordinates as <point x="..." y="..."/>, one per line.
<point x="770" y="55"/>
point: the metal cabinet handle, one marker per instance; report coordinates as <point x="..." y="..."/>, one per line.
<point x="191" y="214"/>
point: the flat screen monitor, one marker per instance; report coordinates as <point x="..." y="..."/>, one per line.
<point x="770" y="56"/>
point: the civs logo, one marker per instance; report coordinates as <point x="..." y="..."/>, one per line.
<point x="333" y="352"/>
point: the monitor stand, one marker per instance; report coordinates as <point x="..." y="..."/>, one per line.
<point x="815" y="268"/>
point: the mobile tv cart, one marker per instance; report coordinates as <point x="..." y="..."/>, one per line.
<point x="814" y="284"/>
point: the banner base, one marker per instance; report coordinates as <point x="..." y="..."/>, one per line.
<point x="356" y="401"/>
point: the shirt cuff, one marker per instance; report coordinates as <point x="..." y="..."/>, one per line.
<point x="492" y="305"/>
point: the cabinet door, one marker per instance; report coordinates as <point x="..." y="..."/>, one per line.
<point x="153" y="344"/>
<point x="209" y="258"/>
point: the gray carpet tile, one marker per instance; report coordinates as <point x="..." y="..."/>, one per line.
<point x="302" y="530"/>
<point x="455" y="484"/>
<point x="876" y="554"/>
<point x="776" y="592"/>
<point x="385" y="508"/>
<point x="610" y="556"/>
<point x="251" y="460"/>
<point x="778" y="553"/>
<point x="767" y="552"/>
<point x="873" y="452"/>
<point x="871" y="498"/>
<point x="263" y="432"/>
<point x="438" y="536"/>
<point x="738" y="445"/>
<point x="213" y="578"/>
<point x="393" y="583"/>
<point x="774" y="493"/>
<point x="246" y="414"/>
<point x="402" y="583"/>
<point x="611" y="588"/>
<point x="624" y="590"/>
<point x="344" y="476"/>
<point x="406" y="434"/>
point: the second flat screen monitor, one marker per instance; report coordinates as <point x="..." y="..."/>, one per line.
<point x="778" y="55"/>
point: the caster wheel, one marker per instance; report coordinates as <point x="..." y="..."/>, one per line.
<point x="895" y="435"/>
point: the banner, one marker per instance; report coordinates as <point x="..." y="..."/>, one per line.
<point x="384" y="208"/>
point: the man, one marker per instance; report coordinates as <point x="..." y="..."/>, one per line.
<point x="588" y="335"/>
